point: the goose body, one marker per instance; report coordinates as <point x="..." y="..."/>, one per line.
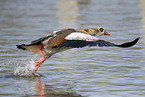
<point x="67" y="39"/>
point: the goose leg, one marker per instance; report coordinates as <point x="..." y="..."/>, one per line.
<point x="41" y="60"/>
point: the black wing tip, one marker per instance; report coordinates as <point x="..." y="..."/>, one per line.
<point x="21" y="47"/>
<point x="129" y="44"/>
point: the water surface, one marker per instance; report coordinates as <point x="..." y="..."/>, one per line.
<point x="86" y="72"/>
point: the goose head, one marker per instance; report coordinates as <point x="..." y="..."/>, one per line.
<point x="96" y="31"/>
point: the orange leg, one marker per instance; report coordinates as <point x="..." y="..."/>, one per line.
<point x="41" y="60"/>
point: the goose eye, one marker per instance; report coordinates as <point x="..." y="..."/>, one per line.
<point x="101" y="29"/>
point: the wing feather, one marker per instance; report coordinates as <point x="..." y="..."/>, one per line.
<point x="99" y="43"/>
<point x="59" y="37"/>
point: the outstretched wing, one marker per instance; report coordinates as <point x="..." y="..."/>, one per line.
<point x="100" y="43"/>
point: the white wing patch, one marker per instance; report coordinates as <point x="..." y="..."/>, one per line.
<point x="80" y="36"/>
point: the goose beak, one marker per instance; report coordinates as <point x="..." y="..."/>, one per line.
<point x="106" y="33"/>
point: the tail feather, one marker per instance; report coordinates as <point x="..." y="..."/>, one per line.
<point x="30" y="47"/>
<point x="129" y="44"/>
<point x="21" y="47"/>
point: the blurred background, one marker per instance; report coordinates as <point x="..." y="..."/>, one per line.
<point x="86" y="72"/>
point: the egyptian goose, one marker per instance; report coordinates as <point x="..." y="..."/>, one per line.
<point x="67" y="39"/>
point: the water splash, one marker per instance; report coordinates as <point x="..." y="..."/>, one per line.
<point x="27" y="70"/>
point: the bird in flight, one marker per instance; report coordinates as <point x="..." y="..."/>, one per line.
<point x="69" y="38"/>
